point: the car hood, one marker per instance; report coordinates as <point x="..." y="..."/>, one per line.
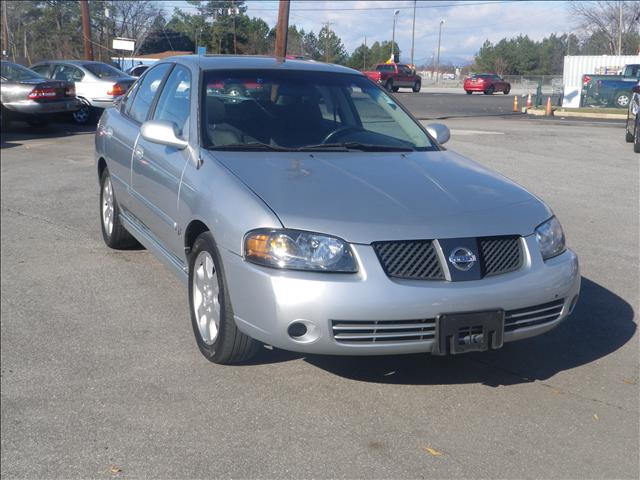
<point x="365" y="197"/>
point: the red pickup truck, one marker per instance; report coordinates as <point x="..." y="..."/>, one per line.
<point x="392" y="76"/>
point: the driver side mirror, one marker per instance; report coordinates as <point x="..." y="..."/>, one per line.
<point x="440" y="132"/>
<point x="162" y="133"/>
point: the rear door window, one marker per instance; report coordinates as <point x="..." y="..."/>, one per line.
<point x="42" y="69"/>
<point x="67" y="73"/>
<point x="146" y="91"/>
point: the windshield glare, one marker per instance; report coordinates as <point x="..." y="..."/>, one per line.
<point x="102" y="70"/>
<point x="303" y="109"/>
<point x="15" y="73"/>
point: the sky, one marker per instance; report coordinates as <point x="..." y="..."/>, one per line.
<point x="467" y="24"/>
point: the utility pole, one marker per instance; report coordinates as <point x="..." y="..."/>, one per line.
<point x="413" y="30"/>
<point x="326" y="41"/>
<point x="393" y="36"/>
<point x="620" y="29"/>
<point x="364" y="54"/>
<point x="282" y="29"/>
<point x="86" y="30"/>
<point x="5" y="29"/>
<point x="438" y="58"/>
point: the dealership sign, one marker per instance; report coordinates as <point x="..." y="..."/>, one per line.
<point x="124" y="44"/>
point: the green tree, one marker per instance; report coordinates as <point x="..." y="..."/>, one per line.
<point x="330" y="47"/>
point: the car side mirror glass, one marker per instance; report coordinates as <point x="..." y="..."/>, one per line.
<point x="439" y="132"/>
<point x="162" y="133"/>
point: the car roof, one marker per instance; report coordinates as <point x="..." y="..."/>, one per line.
<point x="224" y="62"/>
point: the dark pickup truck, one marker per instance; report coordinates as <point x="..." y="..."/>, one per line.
<point x="392" y="76"/>
<point x="610" y="90"/>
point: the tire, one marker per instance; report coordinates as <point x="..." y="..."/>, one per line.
<point x="507" y="90"/>
<point x="469" y="92"/>
<point x="85" y="115"/>
<point x="629" y="137"/>
<point x="621" y="99"/>
<point x="389" y="85"/>
<point x="490" y="90"/>
<point x="217" y="335"/>
<point x="113" y="232"/>
<point x="395" y="89"/>
<point x="417" y="86"/>
<point x="636" y="138"/>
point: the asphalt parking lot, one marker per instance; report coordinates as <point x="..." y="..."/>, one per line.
<point x="101" y="376"/>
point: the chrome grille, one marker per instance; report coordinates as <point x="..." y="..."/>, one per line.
<point x="530" y="316"/>
<point x="370" y="331"/>
<point x="500" y="255"/>
<point x="415" y="260"/>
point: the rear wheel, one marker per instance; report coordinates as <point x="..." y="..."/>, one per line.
<point x="636" y="138"/>
<point x="417" y="86"/>
<point x="113" y="232"/>
<point x="507" y="89"/>
<point x="622" y="99"/>
<point x="490" y="90"/>
<point x="389" y="85"/>
<point x="84" y="115"/>
<point x="395" y="89"/>
<point x="469" y="92"/>
<point x="217" y="335"/>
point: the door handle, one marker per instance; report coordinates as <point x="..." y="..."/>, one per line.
<point x="138" y="152"/>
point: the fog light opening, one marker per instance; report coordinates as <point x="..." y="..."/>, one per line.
<point x="573" y="304"/>
<point x="297" y="330"/>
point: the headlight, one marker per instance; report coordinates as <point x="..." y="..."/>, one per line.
<point x="298" y="250"/>
<point x="550" y="238"/>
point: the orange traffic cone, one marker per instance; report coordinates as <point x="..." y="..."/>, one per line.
<point x="548" y="112"/>
<point x="515" y="103"/>
<point x="529" y="103"/>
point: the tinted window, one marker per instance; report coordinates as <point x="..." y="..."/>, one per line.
<point x="137" y="71"/>
<point x="42" y="69"/>
<point x="148" y="85"/>
<point x="16" y="73"/>
<point x="297" y="110"/>
<point x="102" y="70"/>
<point x="173" y="104"/>
<point x="385" y="68"/>
<point x="67" y="73"/>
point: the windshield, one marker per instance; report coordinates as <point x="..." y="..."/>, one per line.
<point x="298" y="110"/>
<point x="15" y="73"/>
<point x="102" y="70"/>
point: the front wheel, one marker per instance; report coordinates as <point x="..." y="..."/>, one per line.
<point x="214" y="327"/>
<point x="506" y="90"/>
<point x="417" y="86"/>
<point x="389" y="85"/>
<point x="490" y="90"/>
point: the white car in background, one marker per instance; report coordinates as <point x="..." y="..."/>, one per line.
<point x="98" y="85"/>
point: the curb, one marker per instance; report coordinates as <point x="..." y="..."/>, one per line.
<point x="558" y="113"/>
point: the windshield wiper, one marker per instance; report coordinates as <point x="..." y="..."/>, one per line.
<point x="251" y="146"/>
<point x="365" y="147"/>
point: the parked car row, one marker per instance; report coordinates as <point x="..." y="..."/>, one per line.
<point x="83" y="88"/>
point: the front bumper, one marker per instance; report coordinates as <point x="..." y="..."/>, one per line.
<point x="267" y="301"/>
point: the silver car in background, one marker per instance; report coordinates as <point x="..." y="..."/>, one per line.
<point x="97" y="84"/>
<point x="313" y="213"/>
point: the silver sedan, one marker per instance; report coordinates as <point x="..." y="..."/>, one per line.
<point x="306" y="209"/>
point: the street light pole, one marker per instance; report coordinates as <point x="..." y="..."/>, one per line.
<point x="393" y="37"/>
<point x="438" y="58"/>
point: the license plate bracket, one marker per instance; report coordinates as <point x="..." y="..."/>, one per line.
<point x="469" y="332"/>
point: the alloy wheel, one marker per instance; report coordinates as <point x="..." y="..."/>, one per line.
<point x="206" y="302"/>
<point x="107" y="206"/>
